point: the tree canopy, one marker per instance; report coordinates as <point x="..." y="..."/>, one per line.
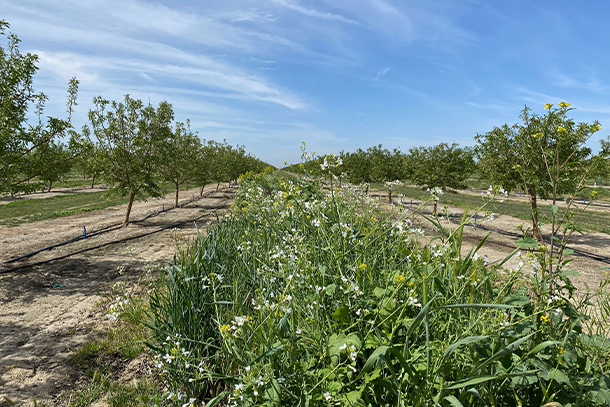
<point x="131" y="141"/>
<point x="441" y="166"/>
<point x="27" y="150"/>
<point x="543" y="155"/>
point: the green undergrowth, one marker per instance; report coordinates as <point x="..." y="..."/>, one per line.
<point x="301" y="297"/>
<point x="33" y="210"/>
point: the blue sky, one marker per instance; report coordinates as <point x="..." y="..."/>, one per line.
<point x="337" y="74"/>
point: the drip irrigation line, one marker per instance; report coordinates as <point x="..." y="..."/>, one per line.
<point x="575" y="200"/>
<point x="107" y="229"/>
<point x="579" y="252"/>
<point x="104" y="244"/>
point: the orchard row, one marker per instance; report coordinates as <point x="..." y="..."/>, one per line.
<point x="135" y="148"/>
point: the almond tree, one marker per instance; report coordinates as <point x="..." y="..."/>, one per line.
<point x="131" y="141"/>
<point x="181" y="157"/>
<point x="388" y="166"/>
<point x="24" y="145"/>
<point x="358" y="167"/>
<point x="545" y="156"/>
<point x="442" y="166"/>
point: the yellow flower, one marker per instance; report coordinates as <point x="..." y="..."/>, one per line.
<point x="537" y="135"/>
<point x="544" y="318"/>
<point x="547" y="106"/>
<point x="225" y="328"/>
<point x="561" y="129"/>
<point x="564" y="104"/>
<point x="399" y="279"/>
<point x="362" y="266"/>
<point x="561" y="350"/>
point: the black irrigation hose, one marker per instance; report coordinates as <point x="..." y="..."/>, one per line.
<point x="576" y="200"/>
<point x="102" y="245"/>
<point x="106" y="229"/>
<point x="579" y="252"/>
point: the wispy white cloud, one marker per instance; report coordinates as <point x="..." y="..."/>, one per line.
<point x="237" y="16"/>
<point x="567" y="81"/>
<point x="381" y="73"/>
<point x="313" y="12"/>
<point x="212" y="76"/>
<point x="384" y="7"/>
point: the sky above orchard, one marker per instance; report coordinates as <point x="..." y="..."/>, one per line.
<point x="337" y="74"/>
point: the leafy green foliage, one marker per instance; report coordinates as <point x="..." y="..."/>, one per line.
<point x="131" y="142"/>
<point x="27" y="150"/>
<point x="442" y="166"/>
<point x="181" y="157"/>
<point x="544" y="156"/>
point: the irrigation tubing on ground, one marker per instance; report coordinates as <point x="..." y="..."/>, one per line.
<point x="107" y="229"/>
<point x="579" y="252"/>
<point x="102" y="245"/>
<point x="575" y="200"/>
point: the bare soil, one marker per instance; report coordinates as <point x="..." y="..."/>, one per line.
<point x="498" y="246"/>
<point x="48" y="311"/>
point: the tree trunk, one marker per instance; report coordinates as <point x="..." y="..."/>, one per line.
<point x="435" y="203"/>
<point x="93" y="181"/>
<point x="366" y="191"/>
<point x="129" y="205"/>
<point x="50" y="183"/>
<point x="217" y="186"/>
<point x="177" y="191"/>
<point x="201" y="191"/>
<point x="390" y="197"/>
<point x="534" y="205"/>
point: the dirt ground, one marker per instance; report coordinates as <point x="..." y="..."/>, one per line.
<point x="48" y="311"/>
<point x="498" y="246"/>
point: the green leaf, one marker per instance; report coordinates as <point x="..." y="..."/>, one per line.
<point x="567" y="252"/>
<point x="554" y="208"/>
<point x="419" y="317"/>
<point x="569" y="272"/>
<point x="470" y="382"/>
<point x="340" y="314"/>
<point x="330" y="289"/>
<point x="379" y="292"/>
<point x="216" y="399"/>
<point x="354" y="398"/>
<point x="504" y="351"/>
<point x="490" y="306"/>
<point x="482" y="379"/>
<point x="373" y="359"/>
<point x="542" y="346"/>
<point x="527" y="242"/>
<point x="454" y="401"/>
<point x="464" y="341"/>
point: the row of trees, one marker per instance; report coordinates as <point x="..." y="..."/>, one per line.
<point x="135" y="148"/>
<point x="441" y="166"/>
<point x="544" y="156"/>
